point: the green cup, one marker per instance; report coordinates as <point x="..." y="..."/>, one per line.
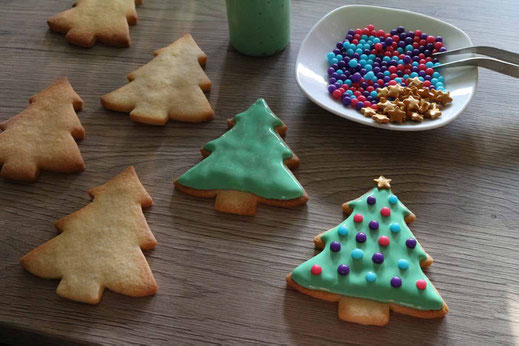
<point x="259" y="27"/>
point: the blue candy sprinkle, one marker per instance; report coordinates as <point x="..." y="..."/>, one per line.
<point x="393" y="199"/>
<point x="357" y="253"/>
<point x="394" y="227"/>
<point x="371" y="277"/>
<point x="403" y="264"/>
<point x="343" y="230"/>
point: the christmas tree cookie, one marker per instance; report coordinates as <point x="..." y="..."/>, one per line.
<point x="100" y="245"/>
<point x="43" y="135"/>
<point x="371" y="263"/>
<point x="171" y="86"/>
<point x="89" y="21"/>
<point x="247" y="165"/>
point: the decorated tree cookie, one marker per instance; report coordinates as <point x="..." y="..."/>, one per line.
<point x="371" y="263"/>
<point x="89" y="21"/>
<point x="246" y="165"/>
<point x="100" y="245"/>
<point x="171" y="86"/>
<point x="42" y="136"/>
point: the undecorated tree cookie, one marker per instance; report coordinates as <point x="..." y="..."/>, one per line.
<point x="91" y="21"/>
<point x="171" y="86"/>
<point x="43" y="135"/>
<point x="100" y="246"/>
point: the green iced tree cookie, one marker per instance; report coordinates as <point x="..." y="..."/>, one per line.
<point x="246" y="165"/>
<point x="371" y="263"/>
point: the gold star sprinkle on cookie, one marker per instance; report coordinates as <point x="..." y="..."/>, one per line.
<point x="382" y="183"/>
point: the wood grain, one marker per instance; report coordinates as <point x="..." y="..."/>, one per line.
<point x="221" y="276"/>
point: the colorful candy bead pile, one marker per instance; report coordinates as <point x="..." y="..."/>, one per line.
<point x="368" y="59"/>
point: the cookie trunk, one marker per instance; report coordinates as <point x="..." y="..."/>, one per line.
<point x="236" y="202"/>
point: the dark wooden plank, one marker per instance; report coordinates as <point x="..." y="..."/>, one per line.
<point x="221" y="277"/>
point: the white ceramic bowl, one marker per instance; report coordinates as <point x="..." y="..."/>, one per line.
<point x="312" y="66"/>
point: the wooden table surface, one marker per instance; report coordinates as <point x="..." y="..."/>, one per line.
<point x="221" y="276"/>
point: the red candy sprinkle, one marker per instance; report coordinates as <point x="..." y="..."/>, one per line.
<point x="358" y="218"/>
<point x="361" y="98"/>
<point x="391" y="82"/>
<point x="337" y="93"/>
<point x="385" y="211"/>
<point x="430" y="39"/>
<point x="418" y="33"/>
<point x="438" y="45"/>
<point x="383" y="241"/>
<point x="429" y="71"/>
<point x="371" y="27"/>
<point x="426" y="83"/>
<point x="378" y="46"/>
<point x="316" y="270"/>
<point x="421" y="284"/>
<point x="367" y="104"/>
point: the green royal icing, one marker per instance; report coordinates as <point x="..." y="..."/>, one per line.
<point x="248" y="158"/>
<point x="355" y="284"/>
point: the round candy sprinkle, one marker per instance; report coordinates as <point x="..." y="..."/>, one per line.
<point x="378" y="257"/>
<point x="357" y="254"/>
<point x="385" y="211"/>
<point x="393" y="199"/>
<point x="343" y="230"/>
<point x="343" y="269"/>
<point x="403" y="264"/>
<point x="335" y="246"/>
<point x="421" y="284"/>
<point x="360" y="237"/>
<point x="394" y="227"/>
<point x="396" y="281"/>
<point x="410" y="243"/>
<point x="371" y="200"/>
<point x="371" y="277"/>
<point x="373" y="225"/>
<point x="383" y="241"/>
<point x="316" y="269"/>
<point x="358" y="218"/>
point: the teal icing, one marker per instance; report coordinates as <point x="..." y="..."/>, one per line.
<point x="248" y="158"/>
